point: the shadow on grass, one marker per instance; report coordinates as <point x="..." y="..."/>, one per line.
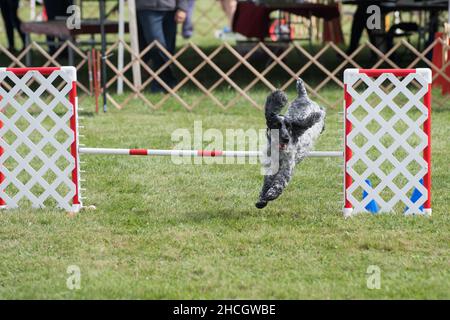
<point x="220" y="214"/>
<point x="88" y="114"/>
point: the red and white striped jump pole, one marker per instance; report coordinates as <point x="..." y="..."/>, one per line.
<point x="194" y="153"/>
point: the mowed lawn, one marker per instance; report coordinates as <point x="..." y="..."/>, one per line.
<point x="192" y="231"/>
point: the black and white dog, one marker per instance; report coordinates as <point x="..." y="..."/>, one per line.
<point x="297" y="132"/>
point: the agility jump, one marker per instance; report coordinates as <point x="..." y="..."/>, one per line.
<point x="196" y="153"/>
<point x="55" y="124"/>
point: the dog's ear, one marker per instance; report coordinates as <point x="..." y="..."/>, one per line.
<point x="275" y="102"/>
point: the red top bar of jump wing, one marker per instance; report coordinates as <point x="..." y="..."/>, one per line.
<point x="42" y="70"/>
<point x="378" y="72"/>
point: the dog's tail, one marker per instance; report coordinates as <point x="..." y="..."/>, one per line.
<point x="301" y="90"/>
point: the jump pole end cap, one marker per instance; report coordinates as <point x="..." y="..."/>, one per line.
<point x="348" y="213"/>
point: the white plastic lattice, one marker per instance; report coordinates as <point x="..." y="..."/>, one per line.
<point x="46" y="130"/>
<point x="374" y="141"/>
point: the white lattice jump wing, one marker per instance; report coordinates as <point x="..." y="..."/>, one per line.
<point x="387" y="140"/>
<point x="39" y="160"/>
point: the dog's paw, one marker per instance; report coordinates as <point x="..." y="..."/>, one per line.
<point x="261" y="204"/>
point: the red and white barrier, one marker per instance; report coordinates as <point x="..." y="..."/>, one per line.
<point x="415" y="86"/>
<point x="60" y="85"/>
<point x="194" y="153"/>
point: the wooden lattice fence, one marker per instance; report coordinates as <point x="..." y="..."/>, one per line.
<point x="260" y="78"/>
<point x="242" y="74"/>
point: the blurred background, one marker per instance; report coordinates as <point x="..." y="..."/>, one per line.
<point x="225" y="52"/>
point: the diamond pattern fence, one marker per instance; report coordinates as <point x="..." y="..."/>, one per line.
<point x="226" y="76"/>
<point x="242" y="75"/>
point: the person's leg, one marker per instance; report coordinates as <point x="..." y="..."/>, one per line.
<point x="142" y="43"/>
<point x="58" y="8"/>
<point x="433" y="27"/>
<point x="188" y="25"/>
<point x="229" y="7"/>
<point x="358" y="26"/>
<point x="170" y="31"/>
<point x="61" y="11"/>
<point x="170" y="35"/>
<point x="50" y="12"/>
<point x="152" y="24"/>
<point x="54" y="9"/>
<point x="9" y="25"/>
<point x="16" y="20"/>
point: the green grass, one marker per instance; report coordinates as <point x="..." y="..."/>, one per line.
<point x="169" y="231"/>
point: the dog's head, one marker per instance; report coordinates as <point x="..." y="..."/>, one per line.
<point x="282" y="136"/>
